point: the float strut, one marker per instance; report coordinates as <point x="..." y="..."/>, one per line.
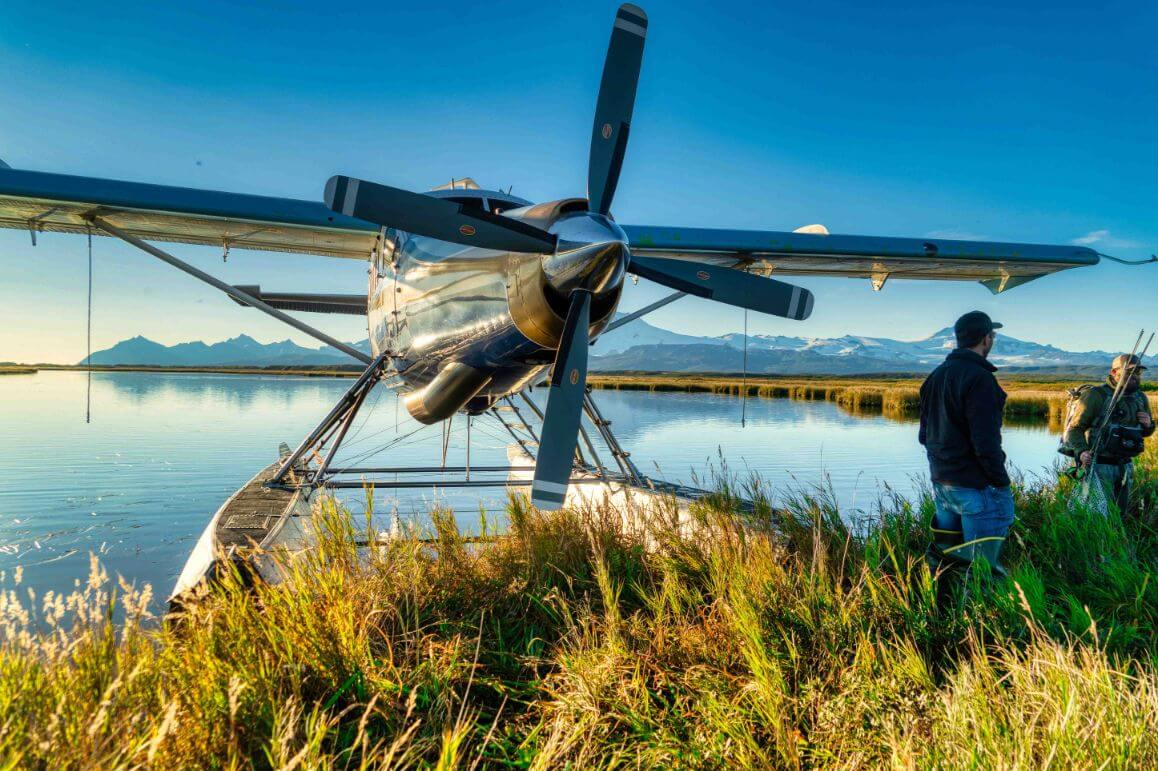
<point x="351" y="398"/>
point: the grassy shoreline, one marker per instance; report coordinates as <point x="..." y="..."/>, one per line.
<point x="898" y="398"/>
<point x="774" y="641"/>
<point x="1031" y="398"/>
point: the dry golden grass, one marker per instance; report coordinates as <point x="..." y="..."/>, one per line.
<point x="1029" y="399"/>
<point x="776" y="640"/>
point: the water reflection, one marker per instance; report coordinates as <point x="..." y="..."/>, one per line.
<point x="138" y="485"/>
<point x="233" y="391"/>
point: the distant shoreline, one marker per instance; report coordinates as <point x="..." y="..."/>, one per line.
<point x="1032" y="398"/>
<point x="294" y="371"/>
<point x="717" y="382"/>
<point x="773" y="386"/>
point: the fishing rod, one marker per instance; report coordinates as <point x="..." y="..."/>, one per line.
<point x="1124" y="378"/>
<point x="1133" y="364"/>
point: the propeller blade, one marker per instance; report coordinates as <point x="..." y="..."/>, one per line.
<point x="614" y="106"/>
<point x="434" y="217"/>
<point x="564" y="407"/>
<point x="727" y="285"/>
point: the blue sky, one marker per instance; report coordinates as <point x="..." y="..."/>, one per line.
<point x="1031" y="123"/>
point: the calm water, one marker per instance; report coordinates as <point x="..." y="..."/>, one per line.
<point x="139" y="483"/>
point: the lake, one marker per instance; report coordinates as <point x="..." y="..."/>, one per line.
<point x="138" y="484"/>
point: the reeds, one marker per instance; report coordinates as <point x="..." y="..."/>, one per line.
<point x="898" y="398"/>
<point x="784" y="638"/>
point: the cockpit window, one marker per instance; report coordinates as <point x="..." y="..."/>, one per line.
<point x="469" y="202"/>
<point x="498" y="206"/>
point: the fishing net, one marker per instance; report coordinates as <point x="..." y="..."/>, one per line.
<point x="1091" y="494"/>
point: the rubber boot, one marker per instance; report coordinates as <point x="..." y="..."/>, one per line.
<point x="944" y="543"/>
<point x="946" y="569"/>
<point x="990" y="549"/>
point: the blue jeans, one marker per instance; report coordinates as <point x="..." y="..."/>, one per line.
<point x="969" y="523"/>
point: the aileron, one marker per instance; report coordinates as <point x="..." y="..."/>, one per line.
<point x="998" y="265"/>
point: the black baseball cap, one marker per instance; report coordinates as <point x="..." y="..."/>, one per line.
<point x="972" y="328"/>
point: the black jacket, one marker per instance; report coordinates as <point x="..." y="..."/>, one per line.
<point x="961" y="406"/>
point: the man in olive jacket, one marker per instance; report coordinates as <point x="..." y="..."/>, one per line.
<point x="961" y="406"/>
<point x="1130" y="423"/>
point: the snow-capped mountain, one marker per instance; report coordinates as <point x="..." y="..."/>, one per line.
<point x="1009" y="351"/>
<point x="636" y="346"/>
<point x="640" y="346"/>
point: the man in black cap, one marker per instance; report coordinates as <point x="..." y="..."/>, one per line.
<point x="1123" y="430"/>
<point x="961" y="406"/>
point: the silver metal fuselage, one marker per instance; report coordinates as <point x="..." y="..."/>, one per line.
<point x="465" y="326"/>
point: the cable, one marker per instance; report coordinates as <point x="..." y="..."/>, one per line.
<point x="744" y="386"/>
<point x="1120" y="261"/>
<point x="88" y="337"/>
<point x="366" y="413"/>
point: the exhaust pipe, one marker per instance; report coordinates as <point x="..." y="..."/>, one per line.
<point x="446" y="394"/>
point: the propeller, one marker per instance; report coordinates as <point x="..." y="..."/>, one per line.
<point x="591" y="253"/>
<point x="433" y="217"/>
<point x="582" y="255"/>
<point x="614" y="106"/>
<point x="727" y="285"/>
<point x="564" y="407"/>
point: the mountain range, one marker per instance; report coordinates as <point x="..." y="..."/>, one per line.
<point x="240" y="351"/>
<point x="639" y="346"/>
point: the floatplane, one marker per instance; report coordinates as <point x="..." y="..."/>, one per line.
<point x="476" y="295"/>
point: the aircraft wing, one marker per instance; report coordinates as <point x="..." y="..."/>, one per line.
<point x="38" y="201"/>
<point x="998" y="266"/>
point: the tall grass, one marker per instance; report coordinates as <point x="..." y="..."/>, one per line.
<point x="781" y="639"/>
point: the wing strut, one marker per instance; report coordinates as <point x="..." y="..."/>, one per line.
<point x="655" y="306"/>
<point x="232" y="291"/>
